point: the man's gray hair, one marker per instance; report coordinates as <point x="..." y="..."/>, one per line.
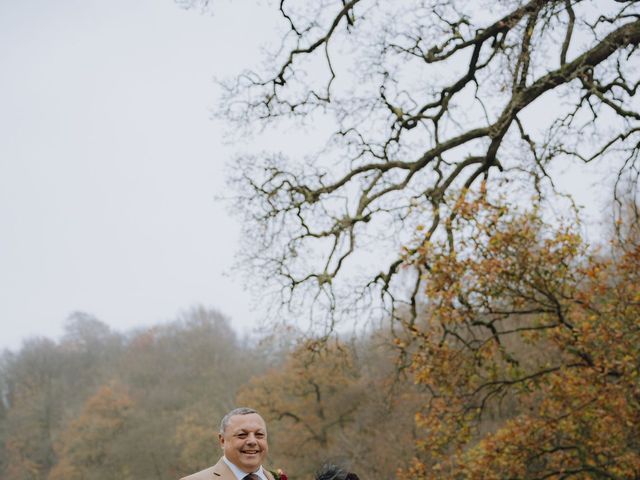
<point x="236" y="411"/>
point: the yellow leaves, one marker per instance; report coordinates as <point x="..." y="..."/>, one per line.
<point x="399" y="343"/>
<point x="196" y="434"/>
<point x="311" y="399"/>
<point x="534" y="368"/>
<point x="85" y="444"/>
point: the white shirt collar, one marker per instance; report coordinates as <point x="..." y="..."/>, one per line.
<point x="239" y="474"/>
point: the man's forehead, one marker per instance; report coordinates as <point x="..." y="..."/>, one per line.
<point x="249" y="421"/>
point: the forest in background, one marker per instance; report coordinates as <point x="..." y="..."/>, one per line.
<point x="100" y="404"/>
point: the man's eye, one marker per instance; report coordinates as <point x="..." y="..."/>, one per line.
<point x="259" y="435"/>
<point x="242" y="435"/>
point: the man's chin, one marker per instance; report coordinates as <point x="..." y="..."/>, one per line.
<point x="251" y="461"/>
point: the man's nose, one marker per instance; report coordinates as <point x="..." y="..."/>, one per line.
<point x="251" y="438"/>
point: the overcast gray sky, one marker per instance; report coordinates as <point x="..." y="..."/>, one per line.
<point x="109" y="162"/>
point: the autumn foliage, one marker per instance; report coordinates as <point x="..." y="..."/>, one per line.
<point x="333" y="401"/>
<point x="529" y="348"/>
<point x="99" y="405"/>
<point x="88" y="444"/>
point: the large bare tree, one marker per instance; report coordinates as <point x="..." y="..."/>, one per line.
<point x="429" y="98"/>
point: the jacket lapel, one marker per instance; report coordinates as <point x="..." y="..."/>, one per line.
<point x="222" y="472"/>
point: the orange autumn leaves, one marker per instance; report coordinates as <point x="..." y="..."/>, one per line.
<point x="529" y="349"/>
<point x="87" y="445"/>
<point x="524" y="358"/>
<point x="332" y="401"/>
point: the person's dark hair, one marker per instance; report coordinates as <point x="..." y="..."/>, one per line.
<point x="236" y="411"/>
<point x="333" y="472"/>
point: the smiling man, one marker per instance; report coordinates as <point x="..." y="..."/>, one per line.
<point x="243" y="438"/>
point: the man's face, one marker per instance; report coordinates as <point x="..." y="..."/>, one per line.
<point x="244" y="442"/>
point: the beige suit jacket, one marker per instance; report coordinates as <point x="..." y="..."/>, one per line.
<point x="219" y="471"/>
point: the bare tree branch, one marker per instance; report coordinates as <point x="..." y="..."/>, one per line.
<point x="428" y="98"/>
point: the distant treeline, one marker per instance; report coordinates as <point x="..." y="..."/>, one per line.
<point x="523" y="362"/>
<point x="99" y="404"/>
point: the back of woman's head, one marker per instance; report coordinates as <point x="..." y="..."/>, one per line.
<point x="333" y="472"/>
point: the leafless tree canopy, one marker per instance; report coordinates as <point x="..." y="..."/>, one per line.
<point x="429" y="97"/>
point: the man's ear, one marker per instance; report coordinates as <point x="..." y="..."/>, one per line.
<point x="221" y="440"/>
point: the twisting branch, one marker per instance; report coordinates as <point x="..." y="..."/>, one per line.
<point x="428" y="98"/>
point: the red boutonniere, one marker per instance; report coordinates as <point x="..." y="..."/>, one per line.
<point x="278" y="474"/>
